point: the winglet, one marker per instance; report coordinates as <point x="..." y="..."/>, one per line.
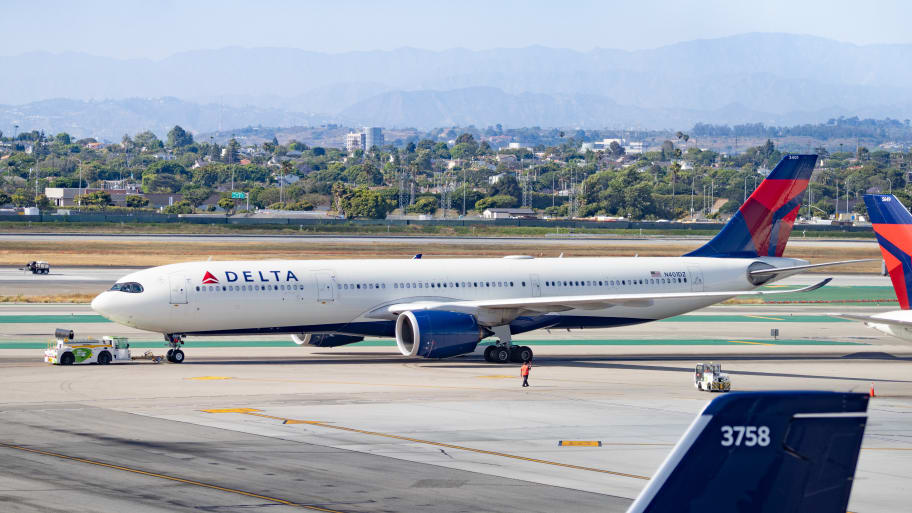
<point x="417" y="256"/>
<point x="763" y="452"/>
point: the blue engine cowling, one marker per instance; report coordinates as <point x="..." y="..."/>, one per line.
<point x="324" y="339"/>
<point x="434" y="334"/>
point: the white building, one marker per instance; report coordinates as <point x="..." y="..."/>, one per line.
<point x="634" y="148"/>
<point x="354" y="141"/>
<point x="602" y="145"/>
<point x="493" y="180"/>
<point x="509" y="213"/>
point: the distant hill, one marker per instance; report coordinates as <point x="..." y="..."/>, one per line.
<point x="773" y="78"/>
<point x="111" y="119"/>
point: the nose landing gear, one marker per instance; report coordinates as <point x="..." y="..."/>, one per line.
<point x="175" y="354"/>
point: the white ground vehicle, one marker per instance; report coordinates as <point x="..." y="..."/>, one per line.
<point x="65" y="350"/>
<point x="709" y="377"/>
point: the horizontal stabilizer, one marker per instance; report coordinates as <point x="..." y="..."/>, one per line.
<point x="874" y="320"/>
<point x="798" y="268"/>
<point x="763" y="452"/>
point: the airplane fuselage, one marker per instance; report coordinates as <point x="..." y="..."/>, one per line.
<point x="347" y="296"/>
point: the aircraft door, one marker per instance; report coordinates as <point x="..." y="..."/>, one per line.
<point x="325" y="292"/>
<point x="536" y="285"/>
<point x="179" y="286"/>
<point x="695" y="276"/>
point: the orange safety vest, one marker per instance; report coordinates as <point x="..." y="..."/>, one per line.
<point x="525" y="369"/>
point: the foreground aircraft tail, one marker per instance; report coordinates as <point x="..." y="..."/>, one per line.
<point x="763" y="452"/>
<point x="762" y="225"/>
<point x="893" y="227"/>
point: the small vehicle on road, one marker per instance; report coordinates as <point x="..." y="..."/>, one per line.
<point x="66" y="350"/>
<point x="37" y="267"/>
<point x="710" y="378"/>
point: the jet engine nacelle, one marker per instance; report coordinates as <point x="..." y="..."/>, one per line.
<point x="324" y="339"/>
<point x="435" y="334"/>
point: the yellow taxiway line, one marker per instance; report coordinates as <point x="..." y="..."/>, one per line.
<point x="764" y="317"/>
<point x="752" y="343"/>
<point x="169" y="478"/>
<point x="255" y="412"/>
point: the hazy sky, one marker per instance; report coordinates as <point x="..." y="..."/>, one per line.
<point x="156" y="29"/>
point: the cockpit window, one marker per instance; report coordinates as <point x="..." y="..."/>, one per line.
<point x="130" y="286"/>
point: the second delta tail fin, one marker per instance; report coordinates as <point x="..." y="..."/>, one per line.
<point x="893" y="226"/>
<point x="762" y="225"/>
<point x="763" y="452"/>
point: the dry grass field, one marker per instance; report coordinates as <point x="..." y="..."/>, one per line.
<point x="126" y="253"/>
<point x="57" y="298"/>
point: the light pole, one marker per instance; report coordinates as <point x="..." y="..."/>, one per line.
<point x="891" y="185"/>
<point x="693" y="176"/>
<point x="837" y="199"/>
<point x="704" y="200"/>
<point x="463" y="191"/>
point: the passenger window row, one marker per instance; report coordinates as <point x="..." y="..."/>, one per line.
<point x="424" y="285"/>
<point x="360" y="286"/>
<point x="430" y="285"/>
<point x="249" y="288"/>
<point x="614" y="283"/>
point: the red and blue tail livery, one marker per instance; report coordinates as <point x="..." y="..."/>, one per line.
<point x="762" y="225"/>
<point x="893" y="227"/>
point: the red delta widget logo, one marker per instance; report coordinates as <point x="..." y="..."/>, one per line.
<point x="208" y="278"/>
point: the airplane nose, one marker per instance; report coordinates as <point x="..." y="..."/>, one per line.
<point x="98" y="303"/>
<point x="103" y="304"/>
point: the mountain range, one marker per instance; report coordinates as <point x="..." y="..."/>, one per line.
<point x="770" y="78"/>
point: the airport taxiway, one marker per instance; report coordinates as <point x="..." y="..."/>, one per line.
<point x="264" y="423"/>
<point x="368" y="431"/>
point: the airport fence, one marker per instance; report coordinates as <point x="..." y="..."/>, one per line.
<point x="101" y="218"/>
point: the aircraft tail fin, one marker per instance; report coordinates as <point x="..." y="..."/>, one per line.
<point x="763" y="452"/>
<point x="893" y="226"/>
<point x="762" y="225"/>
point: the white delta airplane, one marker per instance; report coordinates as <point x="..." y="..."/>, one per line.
<point x="892" y="224"/>
<point x="444" y="307"/>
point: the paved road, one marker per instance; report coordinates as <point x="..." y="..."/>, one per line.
<point x="61" y="280"/>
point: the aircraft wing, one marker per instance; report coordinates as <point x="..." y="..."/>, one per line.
<point x="872" y="319"/>
<point x="562" y="303"/>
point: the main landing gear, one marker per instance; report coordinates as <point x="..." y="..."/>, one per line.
<point x="505" y="351"/>
<point x="175" y="354"/>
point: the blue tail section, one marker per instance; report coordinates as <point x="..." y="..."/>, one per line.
<point x="762" y="225"/>
<point x="886" y="209"/>
<point x="763" y="452"/>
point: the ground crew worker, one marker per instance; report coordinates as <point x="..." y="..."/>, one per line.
<point x="524" y="372"/>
